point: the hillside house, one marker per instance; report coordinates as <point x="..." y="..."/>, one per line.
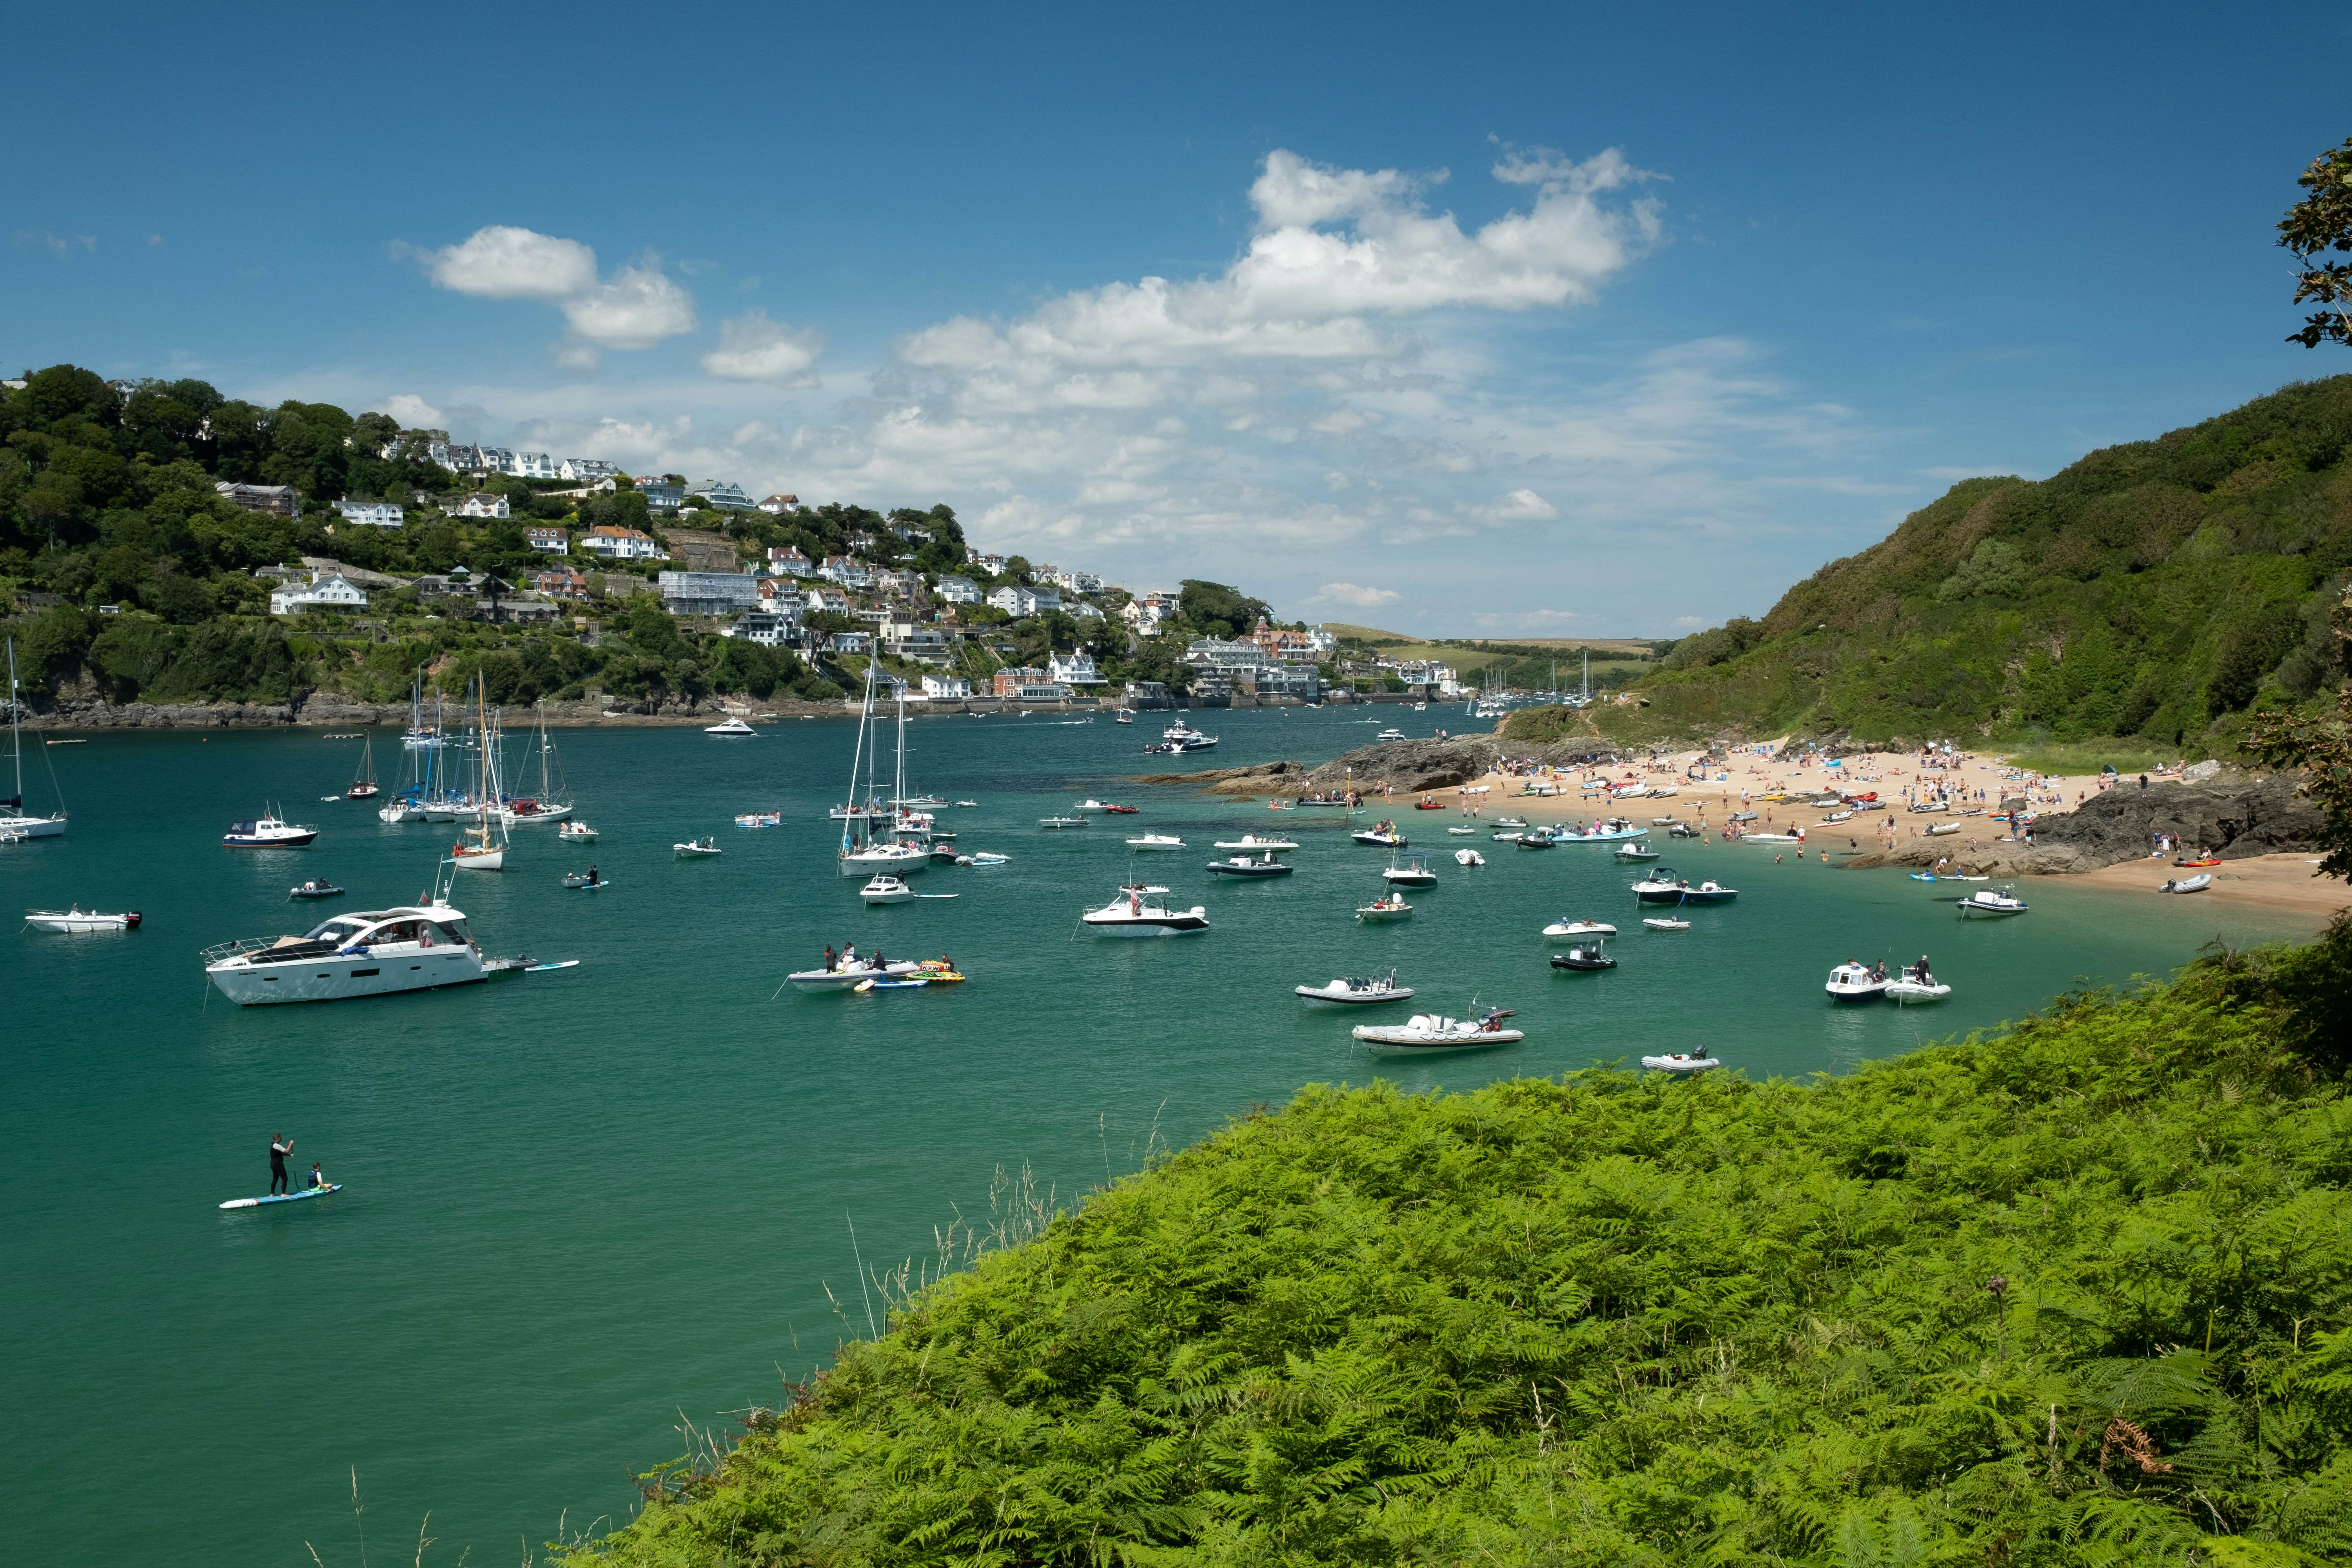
<point x="1028" y="685"/>
<point x="725" y="495"/>
<point x="707" y="593"/>
<point x="548" y="541"/>
<point x="1073" y="670"/>
<point x="374" y="513"/>
<point x="790" y="560"/>
<point x="617" y="543"/>
<point x="586" y="470"/>
<point x="958" y="591"/>
<point x="481" y="503"/>
<point x="776" y="505"/>
<point x="946" y="688"/>
<point x="283" y="500"/>
<point x="327" y="591"/>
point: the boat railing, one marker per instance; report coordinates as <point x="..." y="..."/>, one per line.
<point x="239" y="946"/>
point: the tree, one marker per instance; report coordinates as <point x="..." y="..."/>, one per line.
<point x="2319" y="223"/>
<point x="1208" y="604"/>
<point x="2322" y="748"/>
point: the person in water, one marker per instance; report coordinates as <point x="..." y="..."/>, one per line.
<point x="280" y="1146"/>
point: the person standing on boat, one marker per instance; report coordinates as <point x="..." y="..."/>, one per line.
<point x="280" y="1146"/>
<point x="829" y="960"/>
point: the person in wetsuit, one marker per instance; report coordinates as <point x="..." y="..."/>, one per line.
<point x="280" y="1146"/>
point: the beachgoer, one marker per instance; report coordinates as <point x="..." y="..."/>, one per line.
<point x="279" y="1147"/>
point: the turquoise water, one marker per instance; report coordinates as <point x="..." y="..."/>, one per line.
<point x="580" y="1203"/>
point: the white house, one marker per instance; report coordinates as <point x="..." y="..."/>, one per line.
<point x="497" y="459"/>
<point x="1021" y="603"/>
<point x="776" y="505"/>
<point x="620" y="544"/>
<point x="946" y="686"/>
<point x="789" y="560"/>
<point x="329" y="592"/>
<point x="828" y="601"/>
<point x="848" y="572"/>
<point x="481" y="503"/>
<point x="767" y="628"/>
<point x="1075" y="582"/>
<point x="1085" y="612"/>
<point x="536" y="466"/>
<point x="374" y="513"/>
<point x="548" y="541"/>
<point x="958" y="591"/>
<point x="586" y="470"/>
<point x="1073" y="670"/>
<point x="991" y="565"/>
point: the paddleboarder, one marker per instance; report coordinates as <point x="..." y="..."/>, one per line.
<point x="280" y="1146"/>
<point x="316" y="1179"/>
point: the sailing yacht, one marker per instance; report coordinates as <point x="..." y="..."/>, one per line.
<point x="364" y="785"/>
<point x="15" y="821"/>
<point x="482" y="854"/>
<point x="553" y="802"/>
<point x="867" y="849"/>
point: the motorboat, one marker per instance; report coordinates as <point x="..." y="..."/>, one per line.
<point x="1141" y="910"/>
<point x="1243" y="866"/>
<point x="315" y="888"/>
<point x="1518" y="822"/>
<point x="1580" y="928"/>
<point x="1251" y="843"/>
<point x="1664" y="886"/>
<point x="1637" y="852"/>
<point x="1629" y="792"/>
<point x="1769" y="838"/>
<point x="2197" y="884"/>
<point x="1463" y="832"/>
<point x="733" y="730"/>
<point x="1855" y="983"/>
<point x="849" y="972"/>
<point x="1160" y="843"/>
<point x="267" y="833"/>
<point x="756" y="819"/>
<point x="946" y="853"/>
<point x="1987" y="903"/>
<point x="1835" y="817"/>
<point x="419" y="947"/>
<point x="1535" y="839"/>
<point x="1409" y="872"/>
<point x="78" y="919"/>
<point x="1615" y="830"/>
<point x="1666" y="821"/>
<point x="1683" y="830"/>
<point x="1060" y="821"/>
<point x="883" y="854"/>
<point x="586" y="881"/>
<point x="1468" y="858"/>
<point x="983" y="857"/>
<point x="1180" y="738"/>
<point x="1661" y="792"/>
<point x="1584" y="958"/>
<point x="1741" y="816"/>
<point x="1658" y="923"/>
<point x="1941" y="828"/>
<point x="1926" y="806"/>
<point x="886" y="889"/>
<point x="961" y="803"/>
<point x="1392" y="734"/>
<point x="1916" y="984"/>
<point x="1382" y="836"/>
<point x="696" y="849"/>
<point x="1388" y="906"/>
<point x="1435" y="1032"/>
<point x="1681" y="1062"/>
<point x="1355" y="993"/>
<point x="1105" y="807"/>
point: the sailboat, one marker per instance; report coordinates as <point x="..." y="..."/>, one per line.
<point x="482" y="854"/>
<point x="553" y="802"/>
<point x="864" y="850"/>
<point x="15" y="822"/>
<point x="364" y="782"/>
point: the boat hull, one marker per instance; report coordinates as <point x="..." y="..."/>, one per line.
<point x="847" y="979"/>
<point x="1393" y="1042"/>
<point x="1318" y="997"/>
<point x="340" y="979"/>
<point x="290" y="841"/>
<point x="1168" y="925"/>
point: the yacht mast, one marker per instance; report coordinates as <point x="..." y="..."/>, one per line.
<point x="16" y="736"/>
<point x="850" y="811"/>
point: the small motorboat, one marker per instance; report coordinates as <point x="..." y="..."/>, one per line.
<point x="1264" y="865"/>
<point x="576" y="832"/>
<point x="1989" y="903"/>
<point x="1060" y="821"/>
<point x="585" y="881"/>
<point x="1139" y="910"/>
<point x="1383" y="837"/>
<point x="1666" y="821"/>
<point x="315" y="890"/>
<point x="78" y="919"/>
<point x="1666" y="887"/>
<point x="1916" y="984"/>
<point x="1463" y="832"/>
<point x="1741" y="816"/>
<point x="1091" y="803"/>
<point x="696" y="848"/>
<point x="962" y="803"/>
<point x="851" y="972"/>
<point x="1769" y="838"/>
<point x="1388" y="906"/>
<point x="1518" y="822"/>
<point x="733" y="730"/>
<point x="1580" y="928"/>
<point x="1637" y="852"/>
<point x="1683" y="830"/>
<point x="2197" y="884"/>
<point x="1941" y="828"/>
<point x="1427" y="802"/>
<point x="1536" y="839"/>
<point x="946" y="853"/>
<point x="1160" y="842"/>
<point x="1664" y="922"/>
<point x="1410" y="872"/>
<point x="1680" y="1062"/>
<point x="1355" y="992"/>
<point x="1584" y="958"/>
<point x="886" y="889"/>
<point x="759" y="819"/>
<point x="1388" y="734"/>
<point x="1855" y="983"/>
<point x="1468" y="858"/>
<point x="1435" y="1032"/>
<point x="981" y="858"/>
<point x="1250" y="843"/>
<point x="267" y="833"/>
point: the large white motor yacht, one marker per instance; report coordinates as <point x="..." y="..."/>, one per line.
<point x="735" y="728"/>
<point x="414" y="948"/>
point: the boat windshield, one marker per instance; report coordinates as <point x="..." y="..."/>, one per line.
<point x="335" y="930"/>
<point x="458" y="932"/>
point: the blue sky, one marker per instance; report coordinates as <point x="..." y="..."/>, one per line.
<point x="1545" y="320"/>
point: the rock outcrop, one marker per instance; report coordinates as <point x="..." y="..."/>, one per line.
<point x="2232" y="820"/>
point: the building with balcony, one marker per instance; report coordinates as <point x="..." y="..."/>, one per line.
<point x="374" y="513"/>
<point x="481" y="503"/>
<point x="1073" y="670"/>
<point x="324" y="591"/>
<point x="946" y="688"/>
<point x="586" y="470"/>
<point x="283" y="500"/>
<point x="548" y="541"/>
<point x="617" y="543"/>
<point x="707" y="593"/>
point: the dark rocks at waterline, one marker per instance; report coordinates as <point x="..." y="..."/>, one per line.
<point x="1406" y="767"/>
<point x="2233" y="821"/>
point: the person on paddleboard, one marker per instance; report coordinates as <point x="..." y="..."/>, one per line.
<point x="316" y="1179"/>
<point x="280" y="1146"/>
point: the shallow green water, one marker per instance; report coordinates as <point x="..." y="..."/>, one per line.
<point x="579" y="1203"/>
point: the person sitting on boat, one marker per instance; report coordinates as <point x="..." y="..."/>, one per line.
<point x="849" y="956"/>
<point x="317" y="1180"/>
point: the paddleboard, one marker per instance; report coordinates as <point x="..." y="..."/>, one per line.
<point x="559" y="964"/>
<point x="937" y="895"/>
<point x="294" y="1197"/>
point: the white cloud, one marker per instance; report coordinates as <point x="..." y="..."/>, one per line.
<point x="1520" y="506"/>
<point x="154" y="239"/>
<point x="753" y="348"/>
<point x="57" y="245"/>
<point x="412" y="411"/>
<point x="502" y="262"/>
<point x="637" y="308"/>
<point x="1353" y="597"/>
